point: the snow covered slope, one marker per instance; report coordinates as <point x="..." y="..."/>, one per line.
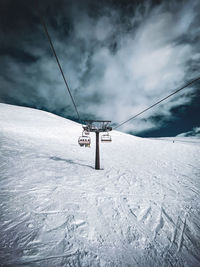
<point x="141" y="209"/>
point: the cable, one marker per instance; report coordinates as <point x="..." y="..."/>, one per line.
<point x="186" y="85"/>
<point x="54" y="52"/>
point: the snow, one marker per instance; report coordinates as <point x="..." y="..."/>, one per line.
<point x="141" y="209"/>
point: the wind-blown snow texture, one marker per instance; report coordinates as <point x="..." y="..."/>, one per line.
<point x="142" y="209"/>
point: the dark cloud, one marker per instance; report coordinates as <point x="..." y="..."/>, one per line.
<point x="118" y="56"/>
<point x="195" y="132"/>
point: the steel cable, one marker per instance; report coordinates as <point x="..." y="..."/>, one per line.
<point x="178" y="90"/>
<point x="57" y="60"/>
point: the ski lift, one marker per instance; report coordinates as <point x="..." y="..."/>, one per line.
<point x="106" y="138"/>
<point x="84" y="141"/>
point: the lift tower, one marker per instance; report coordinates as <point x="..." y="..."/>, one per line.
<point x="97" y="126"/>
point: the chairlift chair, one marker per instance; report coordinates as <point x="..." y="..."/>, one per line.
<point x="106" y="138"/>
<point x="84" y="141"/>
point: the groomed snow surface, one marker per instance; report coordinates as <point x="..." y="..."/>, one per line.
<point x="141" y="209"/>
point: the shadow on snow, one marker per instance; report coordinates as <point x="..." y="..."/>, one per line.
<point x="71" y="162"/>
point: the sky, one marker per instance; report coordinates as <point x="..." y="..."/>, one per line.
<point x="118" y="56"/>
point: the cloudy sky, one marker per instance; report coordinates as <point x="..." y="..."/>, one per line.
<point x="119" y="57"/>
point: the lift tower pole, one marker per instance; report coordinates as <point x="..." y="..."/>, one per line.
<point x="97" y="158"/>
<point x="97" y="126"/>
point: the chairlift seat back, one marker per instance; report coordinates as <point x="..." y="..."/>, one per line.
<point x="84" y="141"/>
<point x="106" y="138"/>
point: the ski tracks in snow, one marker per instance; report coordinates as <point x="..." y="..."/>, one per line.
<point x="68" y="214"/>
